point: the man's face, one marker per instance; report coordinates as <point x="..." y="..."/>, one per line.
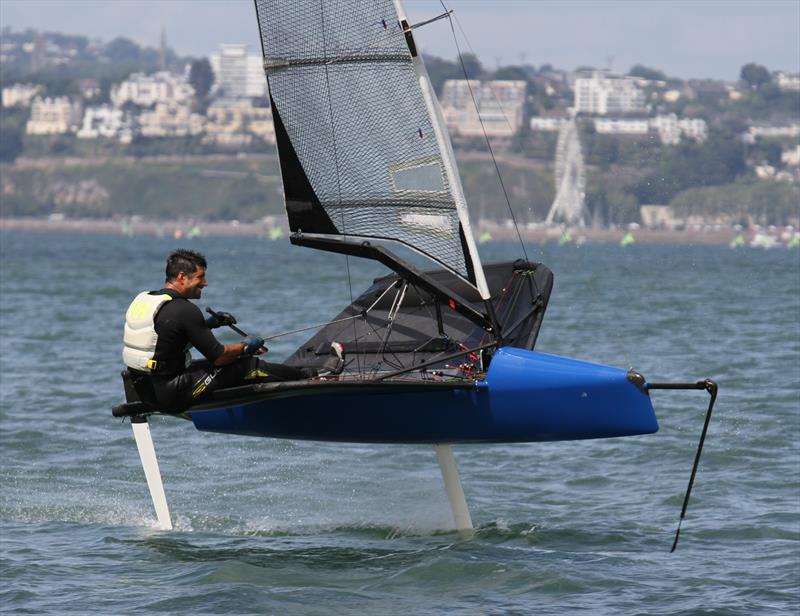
<point x="191" y="285"/>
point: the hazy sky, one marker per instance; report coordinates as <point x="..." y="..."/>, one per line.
<point x="684" y="38"/>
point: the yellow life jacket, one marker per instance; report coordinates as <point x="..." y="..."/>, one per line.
<point x="140" y="332"/>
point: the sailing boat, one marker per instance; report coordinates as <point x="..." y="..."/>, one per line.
<point x="439" y="357"/>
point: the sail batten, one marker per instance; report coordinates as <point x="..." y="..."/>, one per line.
<point x="359" y="145"/>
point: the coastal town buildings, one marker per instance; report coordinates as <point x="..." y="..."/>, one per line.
<point x="669" y="128"/>
<point x="788" y="82"/>
<point x="106" y="122"/>
<point x="500" y="105"/>
<point x="547" y="124"/>
<point x="170" y="120"/>
<point x="148" y="90"/>
<point x="237" y="73"/>
<point x="53" y="116"/>
<point x="771" y="131"/>
<point x="89" y="88"/>
<point x="658" y="217"/>
<point x="604" y="93"/>
<point x="791" y="157"/>
<point x="20" y="94"/>
<point x="619" y="126"/>
<point x="235" y="122"/>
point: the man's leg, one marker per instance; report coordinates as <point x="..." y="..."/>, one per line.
<point x="201" y="379"/>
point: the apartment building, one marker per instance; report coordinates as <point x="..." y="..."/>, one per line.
<point x="106" y="122"/>
<point x="547" y="124"/>
<point x="170" y="120"/>
<point x="148" y="90"/>
<point x="617" y="126"/>
<point x="237" y="73"/>
<point x="768" y="131"/>
<point x="234" y="122"/>
<point x="20" y="94"/>
<point x="788" y="82"/>
<point x="53" y="116"/>
<point x="605" y="93"/>
<point x="500" y="104"/>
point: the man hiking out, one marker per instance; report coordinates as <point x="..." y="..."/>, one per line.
<point x="161" y="327"/>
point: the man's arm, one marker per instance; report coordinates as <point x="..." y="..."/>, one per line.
<point x="204" y="341"/>
<point x="230" y="353"/>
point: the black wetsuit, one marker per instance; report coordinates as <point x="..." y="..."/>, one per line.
<point x="180" y="325"/>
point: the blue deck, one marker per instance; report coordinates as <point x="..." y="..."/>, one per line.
<point x="525" y="397"/>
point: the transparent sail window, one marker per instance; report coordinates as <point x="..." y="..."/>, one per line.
<point x="427" y="177"/>
<point x="428" y="223"/>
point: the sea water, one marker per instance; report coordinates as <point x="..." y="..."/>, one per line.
<point x="287" y="527"/>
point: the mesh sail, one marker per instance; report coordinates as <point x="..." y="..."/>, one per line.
<point x="359" y="155"/>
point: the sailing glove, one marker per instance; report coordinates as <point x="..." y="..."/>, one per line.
<point x="218" y="319"/>
<point x="252" y="344"/>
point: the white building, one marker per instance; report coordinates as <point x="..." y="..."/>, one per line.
<point x="105" y="121"/>
<point x="604" y="93"/>
<point x="500" y="104"/>
<point x="657" y="216"/>
<point x="170" y="120"/>
<point x="610" y="126"/>
<point x="53" y="116"/>
<point x="547" y="124"/>
<point x="147" y="90"/>
<point x="669" y="128"/>
<point x="20" y="94"/>
<point x="237" y="74"/>
<point x="771" y="132"/>
<point x="694" y="128"/>
<point x="235" y="122"/>
<point x="788" y="82"/>
<point x="791" y="157"/>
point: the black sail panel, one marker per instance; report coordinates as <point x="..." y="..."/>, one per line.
<point x="302" y="205"/>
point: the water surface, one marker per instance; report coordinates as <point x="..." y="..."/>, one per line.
<point x="270" y="526"/>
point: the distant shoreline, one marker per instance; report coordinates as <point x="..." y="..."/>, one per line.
<point x="188" y="229"/>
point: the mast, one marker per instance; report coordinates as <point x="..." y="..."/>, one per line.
<point x="448" y="157"/>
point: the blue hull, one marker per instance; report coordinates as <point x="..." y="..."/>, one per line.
<point x="526" y="397"/>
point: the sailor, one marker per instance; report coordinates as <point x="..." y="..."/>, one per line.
<point x="161" y="327"/>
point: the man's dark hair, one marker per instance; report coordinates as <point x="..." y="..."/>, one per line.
<point x="186" y="261"/>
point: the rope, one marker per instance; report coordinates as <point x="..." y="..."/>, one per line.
<point x="318" y="325"/>
<point x="483" y="127"/>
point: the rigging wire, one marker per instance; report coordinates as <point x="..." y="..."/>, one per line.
<point x="338" y="179"/>
<point x="483" y="127"/>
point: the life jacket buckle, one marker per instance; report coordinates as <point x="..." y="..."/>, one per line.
<point x="152" y="364"/>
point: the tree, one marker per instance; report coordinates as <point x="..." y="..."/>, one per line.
<point x="123" y="51"/>
<point x="10" y="141"/>
<point x="472" y="66"/>
<point x="755" y="75"/>
<point x="201" y="77"/>
<point x="512" y="73"/>
<point x="645" y="72"/>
